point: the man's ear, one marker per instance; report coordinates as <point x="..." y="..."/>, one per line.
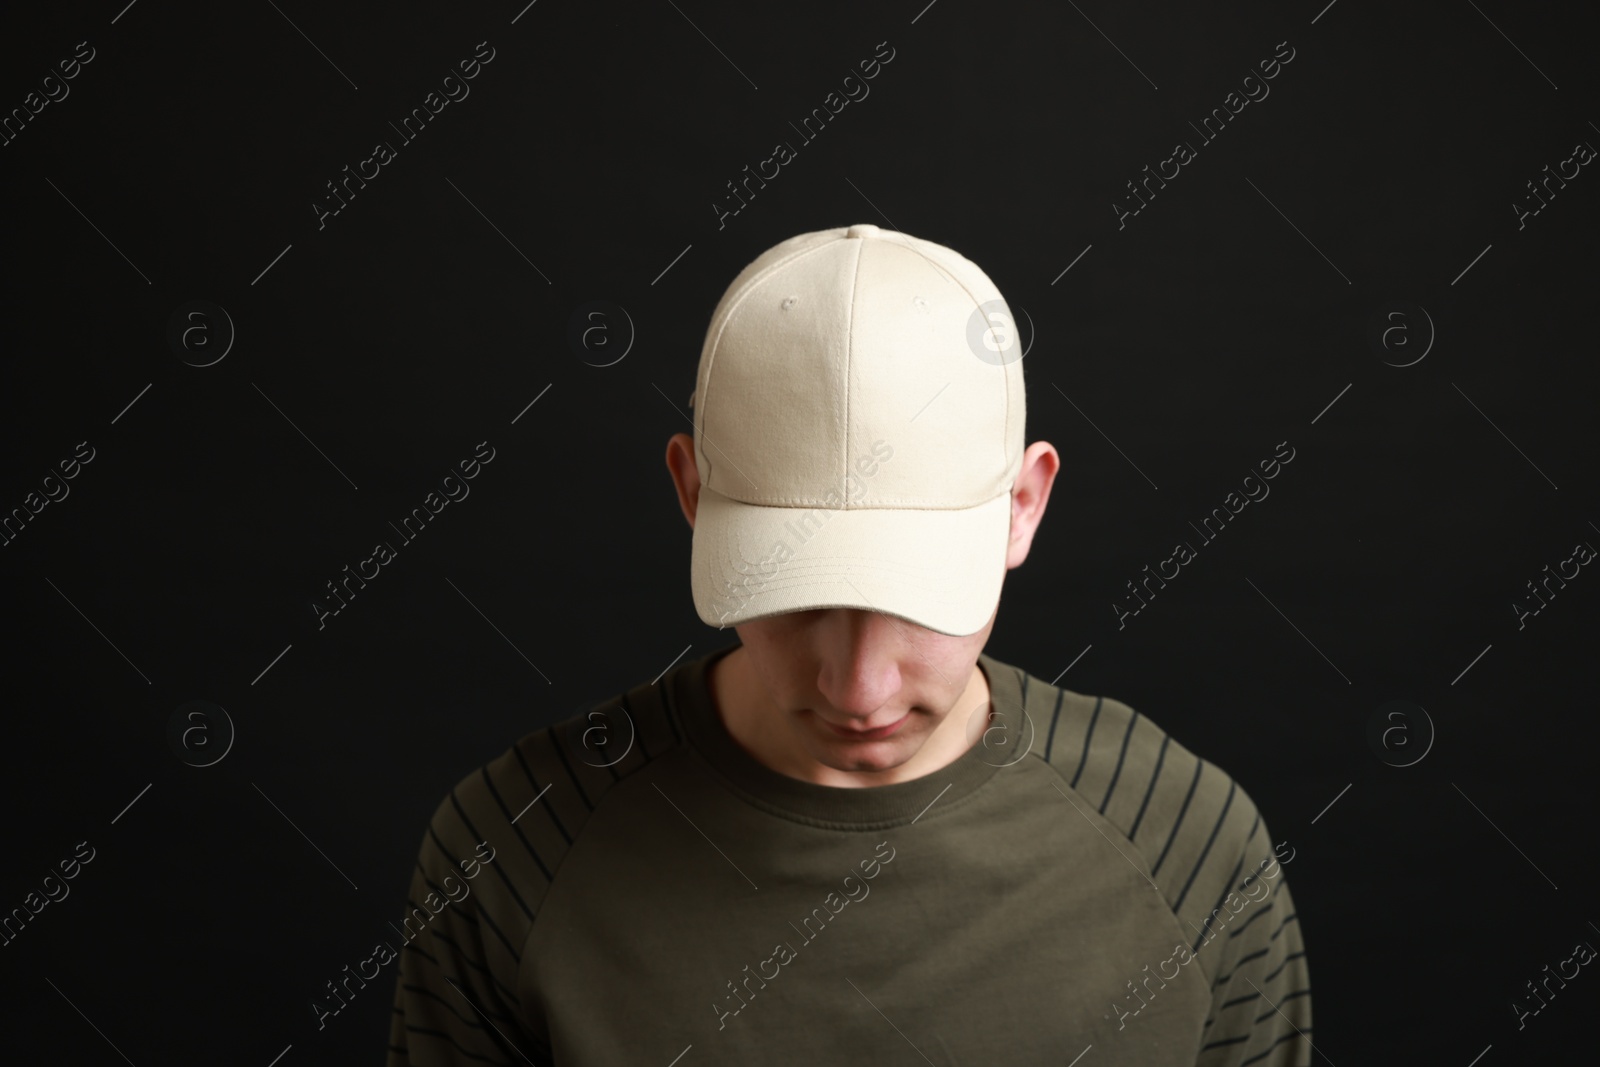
<point x="1029" y="495"/>
<point x="685" y="474"/>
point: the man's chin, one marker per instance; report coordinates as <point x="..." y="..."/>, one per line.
<point x="866" y="757"/>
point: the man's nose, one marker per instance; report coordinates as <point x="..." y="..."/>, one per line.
<point x="861" y="651"/>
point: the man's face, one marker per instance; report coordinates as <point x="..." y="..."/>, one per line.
<point x="859" y="690"/>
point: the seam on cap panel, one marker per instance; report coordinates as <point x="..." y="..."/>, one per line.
<point x="909" y="243"/>
<point x="849" y="366"/>
<point x="722" y="326"/>
<point x="950" y="276"/>
<point x="1005" y="381"/>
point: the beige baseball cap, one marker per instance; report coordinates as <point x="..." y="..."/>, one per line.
<point x="858" y="426"/>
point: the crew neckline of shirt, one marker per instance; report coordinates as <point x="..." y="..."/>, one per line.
<point x="863" y="808"/>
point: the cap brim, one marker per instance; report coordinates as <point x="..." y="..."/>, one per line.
<point x="940" y="569"/>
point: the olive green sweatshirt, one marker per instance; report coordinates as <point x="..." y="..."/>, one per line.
<point x="630" y="886"/>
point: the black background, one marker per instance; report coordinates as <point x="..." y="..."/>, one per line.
<point x="424" y="318"/>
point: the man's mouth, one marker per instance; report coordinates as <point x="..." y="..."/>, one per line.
<point x="867" y="735"/>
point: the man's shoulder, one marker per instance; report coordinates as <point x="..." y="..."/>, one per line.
<point x="1193" y="826"/>
<point x="530" y="801"/>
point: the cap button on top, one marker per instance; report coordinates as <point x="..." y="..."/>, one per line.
<point x="863" y="229"/>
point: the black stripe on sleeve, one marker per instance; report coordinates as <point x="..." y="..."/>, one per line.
<point x="442" y="895"/>
<point x="1212" y="914"/>
<point x="504" y="940"/>
<point x="502" y="1016"/>
<point x="1161" y="758"/>
<point x="538" y="789"/>
<point x="1199" y="765"/>
<point x="1088" y="736"/>
<point x="460" y="915"/>
<point x="1236" y="1001"/>
<point x="440" y="968"/>
<point x="510" y="996"/>
<point x="638" y="731"/>
<point x="1285" y="963"/>
<point x="1240" y="1000"/>
<point x="1257" y="954"/>
<point x="1283" y="1000"/>
<point x="1249" y="839"/>
<point x="561" y="754"/>
<point x="499" y="868"/>
<point x="1054" y="715"/>
<point x="466" y="1020"/>
<point x="667" y="704"/>
<point x="488" y="781"/>
<point x="1268" y="1051"/>
<point x="457" y="1047"/>
<point x="1233" y="787"/>
<point x="433" y="835"/>
<point x="439" y="890"/>
<point x="412" y="946"/>
<point x="485" y="915"/>
<point x="1121" y="756"/>
<point x="1253" y="917"/>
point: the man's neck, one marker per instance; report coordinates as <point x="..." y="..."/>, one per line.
<point x="747" y="713"/>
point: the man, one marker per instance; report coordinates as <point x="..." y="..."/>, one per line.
<point x="854" y="837"/>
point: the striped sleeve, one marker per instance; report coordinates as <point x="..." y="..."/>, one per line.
<point x="1212" y="858"/>
<point x="489" y="856"/>
<point x="455" y="999"/>
<point x="1261" y="986"/>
